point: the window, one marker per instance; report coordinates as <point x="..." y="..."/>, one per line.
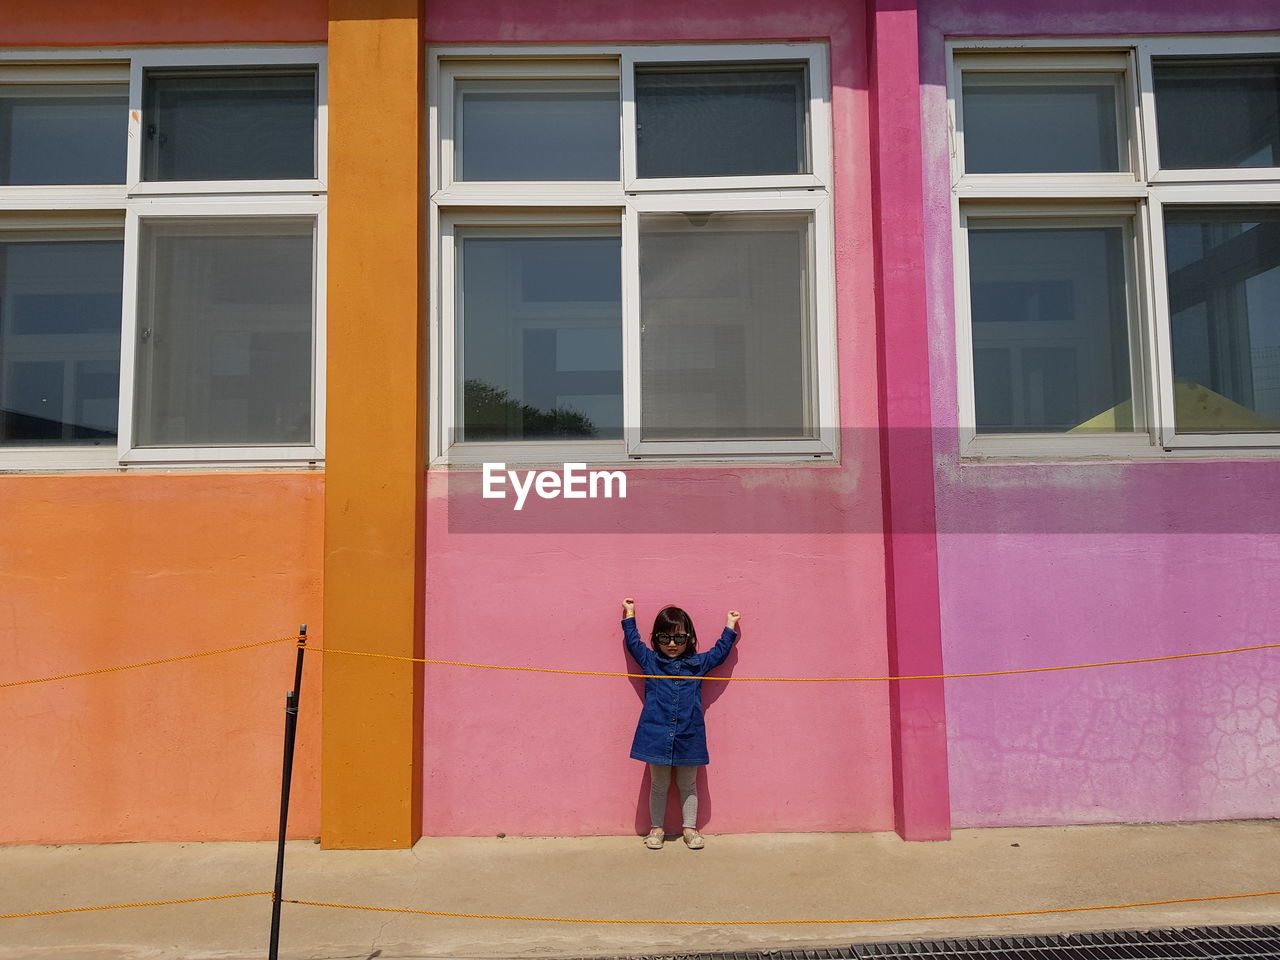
<point x="540" y="327"/>
<point x="1051" y="332"/>
<point x="635" y="254"/>
<point x="1118" y="246"/>
<point x="60" y="335"/>
<point x="243" y="124"/>
<point x="62" y="126"/>
<point x="161" y="235"/>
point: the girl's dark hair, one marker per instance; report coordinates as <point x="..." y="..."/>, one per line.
<point x="674" y="620"/>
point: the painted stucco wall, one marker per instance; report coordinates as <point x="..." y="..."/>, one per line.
<point x="102" y="571"/>
<point x="798" y="550"/>
<point x="1044" y="564"/>
<point x="109" y="569"/>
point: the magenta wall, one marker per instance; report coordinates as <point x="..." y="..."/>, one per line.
<point x="1046" y="564"/>
<point x="804" y="558"/>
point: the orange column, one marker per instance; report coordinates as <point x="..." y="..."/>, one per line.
<point x="373" y="578"/>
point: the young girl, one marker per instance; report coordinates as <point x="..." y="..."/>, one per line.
<point x="671" y="735"/>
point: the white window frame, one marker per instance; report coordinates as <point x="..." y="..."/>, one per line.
<point x="1196" y="47"/>
<point x="556" y="63"/>
<point x="300" y="208"/>
<point x="1245" y="194"/>
<point x="820" y="156"/>
<point x="1089" y="184"/>
<point x="126" y="204"/>
<point x="67" y="227"/>
<point x="618" y="205"/>
<point x="1043" y="215"/>
<point x="599" y="222"/>
<point x="1143" y="191"/>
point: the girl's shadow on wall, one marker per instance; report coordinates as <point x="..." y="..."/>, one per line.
<point x="711" y="692"/>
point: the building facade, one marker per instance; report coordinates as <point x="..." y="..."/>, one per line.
<point x="935" y="337"/>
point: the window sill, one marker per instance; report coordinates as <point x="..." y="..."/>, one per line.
<point x="557" y="193"/>
<point x="182" y="188"/>
<point x="73" y="460"/>
<point x="472" y="456"/>
<point x="211" y="456"/>
<point x="1108" y="449"/>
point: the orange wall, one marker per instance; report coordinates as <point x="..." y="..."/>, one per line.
<point x="373" y="523"/>
<point x="109" y="569"/>
<point x="101" y="570"/>
<point x="93" y="22"/>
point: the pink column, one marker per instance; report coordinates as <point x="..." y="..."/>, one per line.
<point x="917" y="707"/>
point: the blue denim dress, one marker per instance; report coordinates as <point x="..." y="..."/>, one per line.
<point x="671" y="730"/>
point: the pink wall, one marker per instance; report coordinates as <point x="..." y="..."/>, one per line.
<point x="917" y="708"/>
<point x="803" y="558"/>
<point x="1184" y="740"/>
<point x="541" y="754"/>
<point x="1045" y="564"/>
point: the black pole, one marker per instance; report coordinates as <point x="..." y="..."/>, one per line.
<point x="286" y="780"/>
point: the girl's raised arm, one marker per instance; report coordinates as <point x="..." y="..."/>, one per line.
<point x="717" y="654"/>
<point x="640" y="653"/>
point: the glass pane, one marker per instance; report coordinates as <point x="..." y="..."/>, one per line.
<point x="1224" y="308"/>
<point x="537" y="130"/>
<point x="63" y="133"/>
<point x="725" y="327"/>
<point x="237" y="125"/>
<point x="1050" y="330"/>
<point x="1042" y="123"/>
<point x="225" y="333"/>
<point x="60" y="340"/>
<point x="1216" y="113"/>
<point x="541" y="331"/>
<point x="721" y="120"/>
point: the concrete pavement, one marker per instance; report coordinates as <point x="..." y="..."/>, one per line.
<point x="770" y="877"/>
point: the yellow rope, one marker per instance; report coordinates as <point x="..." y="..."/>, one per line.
<point x="151" y="663"/>
<point x="767" y="923"/>
<point x="639" y="676"/>
<point x="696" y="923"/>
<point x="125" y="906"/>
<point x="929" y="676"/>
<point x="595" y="673"/>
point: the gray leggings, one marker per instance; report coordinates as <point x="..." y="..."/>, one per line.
<point x="660" y="785"/>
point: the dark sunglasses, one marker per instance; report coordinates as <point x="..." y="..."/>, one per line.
<point x="665" y="638"/>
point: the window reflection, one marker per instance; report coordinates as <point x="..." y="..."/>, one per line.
<point x="65" y="133"/>
<point x="1042" y="123"/>
<point x="1050" y="330"/>
<point x="1218" y="113"/>
<point x="1224" y="307"/>
<point x="256" y="124"/>
<point x="60" y="340"/>
<point x="541" y="334"/>
<point x="537" y="130"/>
<point x="720" y="120"/>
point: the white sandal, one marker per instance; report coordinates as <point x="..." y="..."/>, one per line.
<point x="655" y="838"/>
<point x="693" y="840"/>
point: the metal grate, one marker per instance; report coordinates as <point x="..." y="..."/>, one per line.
<point x="1191" y="943"/>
